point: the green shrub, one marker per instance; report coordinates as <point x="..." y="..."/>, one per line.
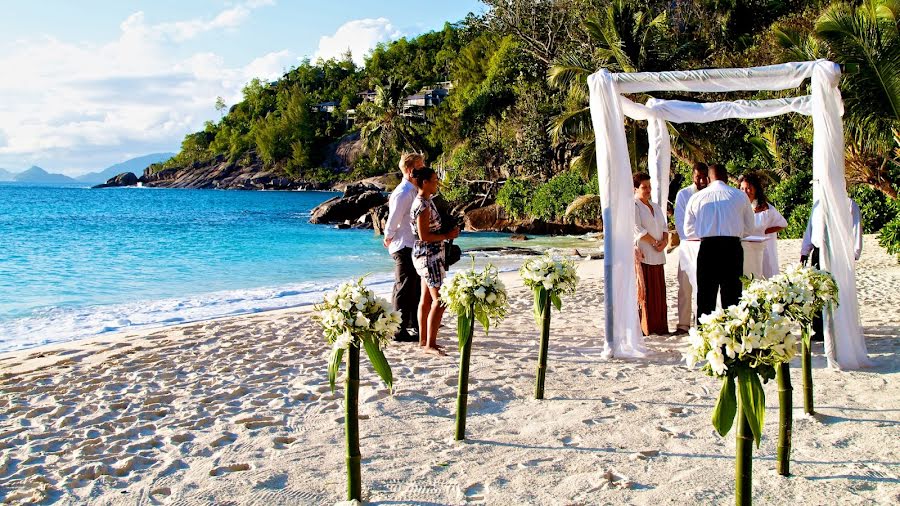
<point x="889" y="238"/>
<point x="550" y="200"/>
<point x="874" y="208"/>
<point x="514" y="196"/>
<point x="792" y="196"/>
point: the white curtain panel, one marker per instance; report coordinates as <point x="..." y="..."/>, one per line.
<point x="623" y="337"/>
<point x="845" y="345"/>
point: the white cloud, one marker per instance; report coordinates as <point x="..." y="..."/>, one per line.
<point x="359" y="36"/>
<point x="74" y="107"/>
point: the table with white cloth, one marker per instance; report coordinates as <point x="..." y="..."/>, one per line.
<point x="753" y="260"/>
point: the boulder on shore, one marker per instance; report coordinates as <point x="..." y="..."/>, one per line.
<point x="494" y="218"/>
<point x="123" y="179"/>
<point x="341" y="209"/>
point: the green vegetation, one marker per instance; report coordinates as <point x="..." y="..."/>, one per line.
<point x="515" y="127"/>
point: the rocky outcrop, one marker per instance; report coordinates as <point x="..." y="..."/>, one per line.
<point x="219" y="173"/>
<point x="347" y="208"/>
<point x="494" y="218"/>
<point x="378" y="216"/>
<point x="123" y="179"/>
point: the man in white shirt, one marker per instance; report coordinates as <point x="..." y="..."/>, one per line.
<point x="399" y="240"/>
<point x="807" y="248"/>
<point x="700" y="177"/>
<point x="719" y="215"/>
<point x="810" y="251"/>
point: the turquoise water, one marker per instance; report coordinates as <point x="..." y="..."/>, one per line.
<point x="77" y="262"/>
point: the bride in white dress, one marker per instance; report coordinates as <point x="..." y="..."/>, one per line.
<point x="768" y="221"/>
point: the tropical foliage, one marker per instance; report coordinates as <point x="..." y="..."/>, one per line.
<point x="517" y="110"/>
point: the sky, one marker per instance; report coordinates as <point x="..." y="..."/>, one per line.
<point x="87" y="84"/>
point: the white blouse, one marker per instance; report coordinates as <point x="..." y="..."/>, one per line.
<point x="652" y="223"/>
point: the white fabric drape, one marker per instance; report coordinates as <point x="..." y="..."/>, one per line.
<point x="845" y="345"/>
<point x="623" y="332"/>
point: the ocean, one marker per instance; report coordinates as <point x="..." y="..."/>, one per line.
<point x="77" y="262"/>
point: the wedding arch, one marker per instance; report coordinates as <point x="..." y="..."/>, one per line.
<point x="844" y="344"/>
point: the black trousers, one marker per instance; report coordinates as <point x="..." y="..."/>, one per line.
<point x="817" y="323"/>
<point x="407" y="289"/>
<point x="720" y="265"/>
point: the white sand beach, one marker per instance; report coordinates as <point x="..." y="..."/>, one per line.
<point x="238" y="411"/>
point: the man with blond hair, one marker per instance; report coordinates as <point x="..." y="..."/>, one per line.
<point x="399" y="240"/>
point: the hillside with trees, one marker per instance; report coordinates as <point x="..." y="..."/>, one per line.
<point x="512" y="125"/>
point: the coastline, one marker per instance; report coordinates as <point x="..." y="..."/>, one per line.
<point x="239" y="409"/>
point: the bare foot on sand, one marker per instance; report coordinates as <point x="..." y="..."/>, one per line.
<point x="436" y="350"/>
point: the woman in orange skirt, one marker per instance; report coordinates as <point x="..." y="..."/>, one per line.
<point x="651" y="237"/>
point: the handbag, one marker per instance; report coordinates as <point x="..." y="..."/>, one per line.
<point x="452" y="253"/>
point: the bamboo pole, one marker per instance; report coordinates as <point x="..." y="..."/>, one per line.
<point x="743" y="463"/>
<point x="806" y="367"/>
<point x="785" y="410"/>
<point x="462" y="395"/>
<point x="351" y="425"/>
<point x="545" y="345"/>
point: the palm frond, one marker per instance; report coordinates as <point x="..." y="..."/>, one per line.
<point x="569" y="124"/>
<point x="571" y="70"/>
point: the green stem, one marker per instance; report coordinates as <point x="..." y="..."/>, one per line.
<point x="785" y="409"/>
<point x="545" y="344"/>
<point x="806" y="367"/>
<point x="351" y="425"/>
<point x="462" y="396"/>
<point x="743" y="464"/>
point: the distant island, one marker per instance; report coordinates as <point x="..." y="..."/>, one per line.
<point x="35" y="174"/>
<point x="132" y="165"/>
<point x="38" y="175"/>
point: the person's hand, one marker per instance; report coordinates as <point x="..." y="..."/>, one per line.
<point x="386" y="242"/>
<point x="453" y="234"/>
<point x="660" y="245"/>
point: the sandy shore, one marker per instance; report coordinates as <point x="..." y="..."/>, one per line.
<point x="238" y="411"/>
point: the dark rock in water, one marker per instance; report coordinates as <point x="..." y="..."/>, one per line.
<point x="518" y="237"/>
<point x="494" y="218"/>
<point x="123" y="179"/>
<point x="379" y="216"/>
<point x="340" y="209"/>
<point x="505" y="250"/>
<point x="360" y="188"/>
<point x="342" y="226"/>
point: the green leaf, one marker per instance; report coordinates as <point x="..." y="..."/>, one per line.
<point x="726" y="407"/>
<point x="557" y="303"/>
<point x="753" y="401"/>
<point x="539" y="301"/>
<point x="463" y="328"/>
<point x="482" y="317"/>
<point x="379" y="362"/>
<point x="334" y="363"/>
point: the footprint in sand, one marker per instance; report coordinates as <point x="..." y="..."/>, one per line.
<point x="476" y="492"/>
<point x="571" y="441"/>
<point x="224" y="439"/>
<point x="231" y="468"/>
<point x="282" y="442"/>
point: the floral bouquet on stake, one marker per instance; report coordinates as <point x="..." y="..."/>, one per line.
<point x="743" y="342"/>
<point x="805" y="292"/>
<point x="548" y="278"/>
<point x="350" y="317"/>
<point x="472" y="296"/>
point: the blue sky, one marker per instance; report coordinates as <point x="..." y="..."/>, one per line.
<point x="91" y="83"/>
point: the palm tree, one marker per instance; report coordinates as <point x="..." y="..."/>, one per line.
<point x="866" y="39"/>
<point x="386" y="125"/>
<point x="626" y="39"/>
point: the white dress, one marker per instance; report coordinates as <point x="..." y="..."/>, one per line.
<point x="767" y="219"/>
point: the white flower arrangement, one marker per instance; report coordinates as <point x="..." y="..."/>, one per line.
<point x="756" y="332"/>
<point x="480" y="295"/>
<point x="354" y="315"/>
<point x="804" y="292"/>
<point x="556" y="276"/>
